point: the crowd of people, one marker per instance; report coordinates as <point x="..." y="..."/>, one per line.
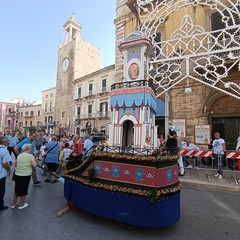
<point x="217" y="146"/>
<point x="51" y="149"/>
<point x="54" y="151"/>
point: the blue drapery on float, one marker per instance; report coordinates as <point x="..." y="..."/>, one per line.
<point x="124" y="207"/>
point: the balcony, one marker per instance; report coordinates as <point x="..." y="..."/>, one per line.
<point x="130" y="84"/>
<point x="103" y="114"/>
<point x="78" y="97"/>
<point x="28" y="116"/>
<point x="48" y="110"/>
<point x="103" y="90"/>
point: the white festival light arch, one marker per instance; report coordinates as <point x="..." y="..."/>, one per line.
<point x="192" y="52"/>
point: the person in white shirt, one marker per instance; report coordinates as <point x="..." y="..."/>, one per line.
<point x="67" y="151"/>
<point x="218" y="147"/>
<point x="5" y="169"/>
<point x="190" y="146"/>
<point x="180" y="160"/>
<point x="238" y="143"/>
<point x="87" y="147"/>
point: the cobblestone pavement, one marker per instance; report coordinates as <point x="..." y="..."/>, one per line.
<point x="206" y="214"/>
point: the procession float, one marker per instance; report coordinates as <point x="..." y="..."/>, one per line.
<point x="129" y="180"/>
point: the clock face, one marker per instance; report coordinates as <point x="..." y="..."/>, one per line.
<point x="65" y="64"/>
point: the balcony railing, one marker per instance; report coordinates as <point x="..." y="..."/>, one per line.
<point x="104" y="89"/>
<point x="103" y="114"/>
<point x="79" y="96"/>
<point x="130" y="84"/>
<point x="48" y="109"/>
<point x="93" y="115"/>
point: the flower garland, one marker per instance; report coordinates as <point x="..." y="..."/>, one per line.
<point x="92" y="182"/>
<point x="163" y="192"/>
<point x="164" y="157"/>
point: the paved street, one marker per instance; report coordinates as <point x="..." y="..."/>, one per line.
<point x="205" y="215"/>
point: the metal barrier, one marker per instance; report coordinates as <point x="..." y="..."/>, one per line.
<point x="204" y="160"/>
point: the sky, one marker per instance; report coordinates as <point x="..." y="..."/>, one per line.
<point x="31" y="31"/>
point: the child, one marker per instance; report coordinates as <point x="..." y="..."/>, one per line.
<point x="67" y="151"/>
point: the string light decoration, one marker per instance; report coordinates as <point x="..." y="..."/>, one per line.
<point x="192" y="51"/>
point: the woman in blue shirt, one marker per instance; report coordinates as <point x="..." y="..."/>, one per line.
<point x="51" y="159"/>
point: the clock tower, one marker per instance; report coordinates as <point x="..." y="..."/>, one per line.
<point x="76" y="58"/>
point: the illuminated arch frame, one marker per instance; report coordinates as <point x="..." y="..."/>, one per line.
<point x="153" y="14"/>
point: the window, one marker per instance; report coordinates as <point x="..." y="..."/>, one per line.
<point x="45" y="120"/>
<point x="50" y="106"/>
<point x="30" y="123"/>
<point x="51" y="96"/>
<point x="79" y="93"/>
<point x="104" y="85"/>
<point x="50" y="119"/>
<point x="216" y="19"/>
<point x="46" y="96"/>
<point x="89" y="110"/>
<point x="45" y="107"/>
<point x="25" y="123"/>
<point x="90" y="88"/>
<point x="39" y="113"/>
<point x="103" y="108"/>
<point x="9" y="110"/>
<point x="63" y="114"/>
<point x="8" y="121"/>
<point x="31" y="113"/>
<point x="78" y="112"/>
<point x="21" y="114"/>
<point x="27" y="114"/>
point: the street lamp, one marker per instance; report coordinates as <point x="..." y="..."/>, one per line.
<point x="188" y="90"/>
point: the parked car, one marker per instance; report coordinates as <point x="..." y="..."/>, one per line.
<point x="97" y="137"/>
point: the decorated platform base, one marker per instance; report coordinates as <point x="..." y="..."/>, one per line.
<point x="138" y="190"/>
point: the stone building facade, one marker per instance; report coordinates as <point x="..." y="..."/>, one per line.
<point x="196" y="46"/>
<point x="48" y="110"/>
<point x="76" y="58"/>
<point x="30" y="117"/>
<point x="92" y="100"/>
<point x="9" y="116"/>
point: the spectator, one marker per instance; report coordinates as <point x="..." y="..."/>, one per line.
<point x="219" y="147"/>
<point x="51" y="159"/>
<point x="67" y="151"/>
<point x="70" y="141"/>
<point x="18" y="150"/>
<point x="87" y="146"/>
<point x="238" y="144"/>
<point x="77" y="145"/>
<point x="12" y="141"/>
<point x="20" y="137"/>
<point x="171" y="143"/>
<point x="23" y="171"/>
<point x="191" y="146"/>
<point x="38" y="144"/>
<point x="179" y="145"/>
<point x="5" y="169"/>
